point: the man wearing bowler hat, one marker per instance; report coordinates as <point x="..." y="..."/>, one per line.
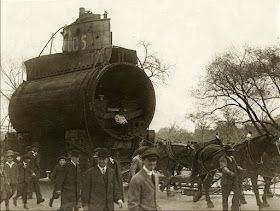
<point x="100" y="187"/>
<point x="35" y="167"/>
<point x="230" y="179"/>
<point x="143" y="187"/>
<point x="68" y="183"/>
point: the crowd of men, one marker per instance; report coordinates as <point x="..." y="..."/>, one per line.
<point x="20" y="176"/>
<point x="102" y="184"/>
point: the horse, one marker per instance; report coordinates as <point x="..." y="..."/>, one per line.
<point x="206" y="163"/>
<point x="250" y="157"/>
<point x="170" y="156"/>
<point x="272" y="168"/>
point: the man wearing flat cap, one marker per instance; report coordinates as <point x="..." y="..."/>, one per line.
<point x="68" y="183"/>
<point x="143" y="187"/>
<point x="230" y="179"/>
<point x="35" y="167"/>
<point x="100" y="187"/>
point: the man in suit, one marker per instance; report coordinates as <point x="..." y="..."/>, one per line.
<point x="11" y="170"/>
<point x="68" y="183"/>
<point x="136" y="163"/>
<point x="143" y="187"/>
<point x="100" y="188"/>
<point x="35" y="167"/>
<point x="25" y="175"/>
<point x="230" y="179"/>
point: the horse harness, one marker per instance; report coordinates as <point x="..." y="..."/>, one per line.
<point x="254" y="164"/>
<point x="201" y="161"/>
<point x="171" y="155"/>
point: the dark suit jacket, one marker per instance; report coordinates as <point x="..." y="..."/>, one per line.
<point x="35" y="163"/>
<point x="69" y="183"/>
<point x="142" y="192"/>
<point x="12" y="173"/>
<point x="24" y="177"/>
<point x="55" y="172"/>
<point x="95" y="193"/>
<point x="118" y="173"/>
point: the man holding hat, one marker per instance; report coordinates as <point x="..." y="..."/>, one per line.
<point x="100" y="188"/>
<point x="11" y="170"/>
<point x="35" y="167"/>
<point x="68" y="183"/>
<point x="143" y="187"/>
<point x="54" y="175"/>
<point x="230" y="179"/>
<point x="25" y="174"/>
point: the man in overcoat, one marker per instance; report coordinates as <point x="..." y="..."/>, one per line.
<point x="230" y="179"/>
<point x="68" y="183"/>
<point x="35" y="167"/>
<point x="143" y="187"/>
<point x="100" y="187"/>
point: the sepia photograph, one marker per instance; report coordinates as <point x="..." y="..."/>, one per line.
<point x="140" y="105"/>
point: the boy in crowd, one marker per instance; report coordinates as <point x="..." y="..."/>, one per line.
<point x="54" y="176"/>
<point x="11" y="171"/>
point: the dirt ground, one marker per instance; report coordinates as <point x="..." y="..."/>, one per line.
<point x="177" y="202"/>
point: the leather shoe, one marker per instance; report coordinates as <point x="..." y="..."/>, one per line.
<point x="15" y="201"/>
<point x="40" y="201"/>
<point x="51" y="202"/>
<point x="25" y="206"/>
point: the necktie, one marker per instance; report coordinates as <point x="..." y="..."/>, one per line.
<point x="103" y="171"/>
<point x="153" y="178"/>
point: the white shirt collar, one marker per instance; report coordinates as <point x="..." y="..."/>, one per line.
<point x="24" y="164"/>
<point x="34" y="153"/>
<point x="150" y="173"/>
<point x="10" y="164"/>
<point x="73" y="163"/>
<point x="112" y="160"/>
<point x="104" y="168"/>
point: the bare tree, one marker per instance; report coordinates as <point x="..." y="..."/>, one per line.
<point x="202" y="123"/>
<point x="152" y="65"/>
<point x="174" y="133"/>
<point x="12" y="75"/>
<point x="247" y="80"/>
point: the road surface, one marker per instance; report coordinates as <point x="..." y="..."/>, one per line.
<point x="177" y="202"/>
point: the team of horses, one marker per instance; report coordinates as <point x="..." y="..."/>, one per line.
<point x="258" y="156"/>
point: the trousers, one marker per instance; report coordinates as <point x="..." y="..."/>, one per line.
<point x="235" y="187"/>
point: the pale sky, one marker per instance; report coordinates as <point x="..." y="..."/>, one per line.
<point x="186" y="34"/>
